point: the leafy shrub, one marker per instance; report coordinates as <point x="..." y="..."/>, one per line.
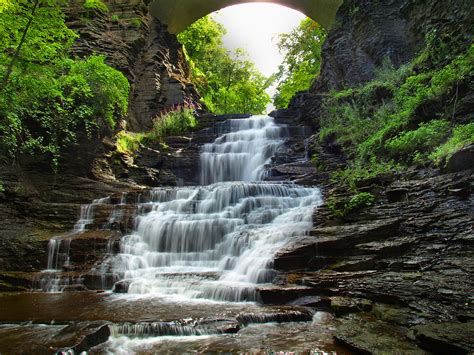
<point x="135" y="22"/>
<point x="357" y="172"/>
<point x="461" y="136"/>
<point x="44" y="107"/>
<point x="227" y="81"/>
<point x="176" y="121"/>
<point x="373" y="123"/>
<point x="342" y="208"/>
<point x="424" y="139"/>
<point x="96" y="5"/>
<point x="129" y="142"/>
<point x="103" y="88"/>
<point x="50" y="99"/>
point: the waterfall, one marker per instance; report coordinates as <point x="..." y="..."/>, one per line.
<point x="217" y="241"/>
<point x="242" y="153"/>
<point x="51" y="279"/>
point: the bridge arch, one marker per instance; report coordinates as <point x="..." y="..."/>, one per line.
<point x="179" y="14"/>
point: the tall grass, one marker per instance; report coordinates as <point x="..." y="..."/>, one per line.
<point x="177" y="120"/>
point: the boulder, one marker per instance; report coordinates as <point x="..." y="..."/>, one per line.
<point x="463" y="159"/>
<point x="80" y="337"/>
<point x="445" y="338"/>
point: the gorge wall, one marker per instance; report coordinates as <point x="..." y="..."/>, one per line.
<point x="137" y="44"/>
<point x="369" y="34"/>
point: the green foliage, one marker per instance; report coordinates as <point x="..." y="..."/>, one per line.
<point x="462" y="135"/>
<point x="48" y="38"/>
<point x="129" y="142"/>
<point x="102" y="89"/>
<point x="342" y="208"/>
<point x="177" y="121"/>
<point x="302" y="61"/>
<point x="115" y="18"/>
<point x="97" y="5"/>
<point x="136" y="22"/>
<point x="174" y="122"/>
<point x="381" y="126"/>
<point x="50" y="99"/>
<point x="2" y="188"/>
<point x="357" y="172"/>
<point x="228" y="82"/>
<point x="426" y="137"/>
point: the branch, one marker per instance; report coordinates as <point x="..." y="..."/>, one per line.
<point x="17" y="52"/>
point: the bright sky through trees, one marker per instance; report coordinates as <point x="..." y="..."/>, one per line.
<point x="255" y="27"/>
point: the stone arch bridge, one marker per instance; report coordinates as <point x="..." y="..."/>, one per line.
<point x="179" y="14"/>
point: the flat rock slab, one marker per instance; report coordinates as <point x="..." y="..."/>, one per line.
<point x="281" y="295"/>
<point x="310" y="251"/>
<point x="445" y="338"/>
<point x="366" y="335"/>
<point x="344" y="305"/>
<point x="81" y="336"/>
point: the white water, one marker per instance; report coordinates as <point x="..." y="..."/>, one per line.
<point x="241" y="154"/>
<point x="51" y="279"/>
<point x="218" y="241"/>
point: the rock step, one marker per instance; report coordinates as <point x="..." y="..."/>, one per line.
<point x="324" y="244"/>
<point x="178" y="328"/>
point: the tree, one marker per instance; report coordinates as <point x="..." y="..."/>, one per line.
<point x="302" y="61"/>
<point x="228" y="82"/>
<point x="51" y="98"/>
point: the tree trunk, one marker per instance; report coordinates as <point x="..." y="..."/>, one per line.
<point x="17" y="51"/>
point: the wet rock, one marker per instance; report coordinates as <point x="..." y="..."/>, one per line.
<point x="6" y="287"/>
<point x="396" y="195"/>
<point x="75" y="288"/>
<point x="90" y="247"/>
<point x="293" y="169"/>
<point x="99" y="281"/>
<point x="281" y="295"/>
<point x="445" y="338"/>
<point x="312" y="301"/>
<point x="380" y="180"/>
<point x="282" y="316"/>
<point x="121" y="286"/>
<point x="398" y="315"/>
<point x="392" y="247"/>
<point x="19" y="280"/>
<point x="341" y="305"/>
<point x="220" y="326"/>
<point x="356" y="263"/>
<point x="364" y="335"/>
<point x="309" y="252"/>
<point x="463" y="159"/>
<point x="81" y="336"/>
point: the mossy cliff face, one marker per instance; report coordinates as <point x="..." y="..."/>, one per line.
<point x="140" y="46"/>
<point x="368" y="33"/>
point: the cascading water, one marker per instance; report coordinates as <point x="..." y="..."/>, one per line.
<point x="218" y="241"/>
<point x="242" y="153"/>
<point x="51" y="279"/>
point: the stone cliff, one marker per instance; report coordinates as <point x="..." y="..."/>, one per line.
<point x="139" y="45"/>
<point x="369" y="34"/>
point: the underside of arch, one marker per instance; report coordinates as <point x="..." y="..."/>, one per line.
<point x="179" y="14"/>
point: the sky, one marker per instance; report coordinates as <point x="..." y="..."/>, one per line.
<point x="255" y="27"/>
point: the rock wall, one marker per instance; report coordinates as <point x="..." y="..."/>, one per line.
<point x="138" y="45"/>
<point x="368" y="34"/>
